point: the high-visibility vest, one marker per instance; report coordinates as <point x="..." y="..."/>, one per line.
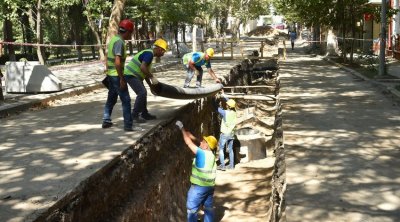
<point x="205" y="176"/>
<point x="229" y="123"/>
<point x="111" y="71"/>
<point x="188" y="56"/>
<point x="133" y="67"/>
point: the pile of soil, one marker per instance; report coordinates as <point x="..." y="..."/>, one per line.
<point x="262" y="30"/>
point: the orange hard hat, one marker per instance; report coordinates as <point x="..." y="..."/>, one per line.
<point x="127" y="25"/>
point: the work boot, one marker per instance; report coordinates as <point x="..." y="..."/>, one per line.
<point x="148" y="116"/>
<point x="220" y="167"/>
<point x="106" y="125"/>
<point x="138" y="119"/>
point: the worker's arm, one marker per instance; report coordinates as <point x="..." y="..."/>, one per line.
<point x="149" y="77"/>
<point x="120" y="70"/>
<point x="188" y="137"/>
<point x="212" y="74"/>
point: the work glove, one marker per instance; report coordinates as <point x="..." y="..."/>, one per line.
<point x="154" y="81"/>
<point x="179" y="124"/>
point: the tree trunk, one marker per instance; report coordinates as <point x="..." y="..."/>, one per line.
<point x="39" y="34"/>
<point x="1" y="88"/>
<point x="93" y="27"/>
<point x="178" y="53"/>
<point x="353" y="31"/>
<point x="60" y="50"/>
<point x="8" y="37"/>
<point x="184" y="33"/>
<point x="115" y="18"/>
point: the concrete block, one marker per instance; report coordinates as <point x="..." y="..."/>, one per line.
<point x="30" y="77"/>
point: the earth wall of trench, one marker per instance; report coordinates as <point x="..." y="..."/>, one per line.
<point x="149" y="180"/>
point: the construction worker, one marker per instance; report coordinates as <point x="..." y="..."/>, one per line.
<point x="201" y="192"/>
<point x="116" y="56"/>
<point x="228" y="125"/>
<point x="193" y="61"/>
<point x="139" y="68"/>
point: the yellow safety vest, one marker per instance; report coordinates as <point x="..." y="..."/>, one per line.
<point x="228" y="125"/>
<point x="188" y="56"/>
<point x="111" y="71"/>
<point x="133" y="67"/>
<point x="205" y="176"/>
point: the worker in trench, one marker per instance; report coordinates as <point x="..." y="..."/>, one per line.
<point x="204" y="167"/>
<point x="228" y="125"/>
<point x="192" y="63"/>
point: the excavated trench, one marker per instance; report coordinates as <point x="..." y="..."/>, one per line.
<point x="149" y="180"/>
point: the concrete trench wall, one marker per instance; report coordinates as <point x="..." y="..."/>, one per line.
<point x="149" y="180"/>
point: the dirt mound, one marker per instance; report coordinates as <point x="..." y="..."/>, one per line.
<point x="262" y="30"/>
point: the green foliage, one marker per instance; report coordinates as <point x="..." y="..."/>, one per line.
<point x="245" y="10"/>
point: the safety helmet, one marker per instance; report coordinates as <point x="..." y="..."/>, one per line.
<point x="210" y="52"/>
<point x="126" y="25"/>
<point x="161" y="43"/>
<point x="211" y="141"/>
<point x="231" y="103"/>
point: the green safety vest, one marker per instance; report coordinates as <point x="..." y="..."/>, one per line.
<point x="133" y="67"/>
<point x="111" y="71"/>
<point x="188" y="56"/>
<point x="228" y="125"/>
<point x="205" y="176"/>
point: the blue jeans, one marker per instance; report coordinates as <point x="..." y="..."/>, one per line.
<point x="223" y="139"/>
<point x="196" y="197"/>
<point x="138" y="87"/>
<point x="190" y="74"/>
<point x="113" y="92"/>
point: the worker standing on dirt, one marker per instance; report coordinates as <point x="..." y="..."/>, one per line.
<point x="193" y="61"/>
<point x="201" y="192"/>
<point x="139" y="69"/>
<point x="228" y="125"/>
<point x="115" y="81"/>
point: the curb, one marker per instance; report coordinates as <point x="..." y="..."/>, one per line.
<point x="27" y="102"/>
<point x="43" y="99"/>
<point x="390" y="89"/>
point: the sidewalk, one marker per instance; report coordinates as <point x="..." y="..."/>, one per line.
<point x="75" y="78"/>
<point x="341" y="142"/>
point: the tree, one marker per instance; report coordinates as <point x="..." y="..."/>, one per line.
<point x="94" y="11"/>
<point x="115" y="17"/>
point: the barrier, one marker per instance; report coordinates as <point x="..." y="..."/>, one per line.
<point x="30" y="77"/>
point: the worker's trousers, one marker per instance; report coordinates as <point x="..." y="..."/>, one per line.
<point x="140" y="106"/>
<point x="200" y="196"/>
<point x="113" y="92"/>
<point x="189" y="75"/>
<point x="226" y="140"/>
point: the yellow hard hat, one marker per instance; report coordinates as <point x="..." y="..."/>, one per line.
<point x="231" y="103"/>
<point x="161" y="43"/>
<point x="210" y="52"/>
<point x="211" y="141"/>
